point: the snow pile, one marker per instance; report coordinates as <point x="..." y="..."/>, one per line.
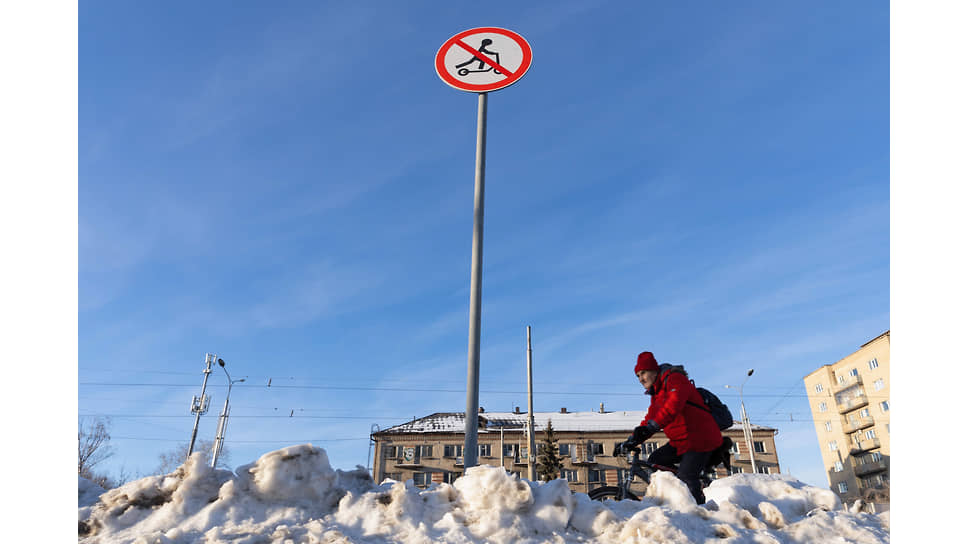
<point x="293" y="495"/>
<point x="87" y="491"/>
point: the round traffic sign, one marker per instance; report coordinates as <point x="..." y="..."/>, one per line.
<point x="483" y="59"/>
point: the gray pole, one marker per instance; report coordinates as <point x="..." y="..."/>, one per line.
<point x="202" y="406"/>
<point x="502" y="447"/>
<point x="531" y="452"/>
<point x="220" y="431"/>
<point x="747" y="431"/>
<point x="477" y="257"/>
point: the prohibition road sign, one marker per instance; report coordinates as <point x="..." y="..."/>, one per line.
<point x="483" y="59"/>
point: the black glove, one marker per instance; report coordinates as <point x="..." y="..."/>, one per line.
<point x="644" y="432"/>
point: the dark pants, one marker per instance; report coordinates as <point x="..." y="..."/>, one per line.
<point x="690" y="464"/>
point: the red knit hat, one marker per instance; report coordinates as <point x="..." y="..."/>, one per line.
<point x="646" y="361"/>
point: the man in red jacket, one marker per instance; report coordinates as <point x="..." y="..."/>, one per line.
<point x="676" y="408"/>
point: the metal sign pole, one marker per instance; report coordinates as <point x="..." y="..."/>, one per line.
<point x="477" y="257"/>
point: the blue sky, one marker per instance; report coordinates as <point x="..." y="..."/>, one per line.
<point x="291" y="187"/>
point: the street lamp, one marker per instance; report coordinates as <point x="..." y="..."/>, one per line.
<point x="223" y="418"/>
<point x="747" y="431"/>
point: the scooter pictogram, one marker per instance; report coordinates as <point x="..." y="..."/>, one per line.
<point x="480" y="66"/>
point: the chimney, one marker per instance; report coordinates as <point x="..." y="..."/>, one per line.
<point x="564" y="410"/>
<point x="601" y="407"/>
<point x="517" y="409"/>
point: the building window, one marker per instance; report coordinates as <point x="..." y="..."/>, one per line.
<point x="650" y="447"/>
<point x="865" y="413"/>
<point x="828" y="426"/>
<point x="872" y="364"/>
<point x="885" y="406"/>
<point x="759" y="447"/>
<point x="621" y="473"/>
<point x="395" y="476"/>
<point x="451" y="477"/>
<point x="564" y="449"/>
<point x="596" y="448"/>
<point x="832" y="446"/>
<point x="392" y="452"/>
<point x="870" y="434"/>
<point x="509" y="450"/>
<point x="838" y="466"/>
<point x="853" y="372"/>
<point x="763" y="469"/>
<point x="595" y="476"/>
<point x="876" y="456"/>
<point x="484" y="450"/>
<point x="421" y="479"/>
<point x="570" y="475"/>
<point x="819" y="388"/>
<point x="425" y="451"/>
<point x="841" y="379"/>
<point x="878" y="384"/>
<point x="735" y="470"/>
<point x="823" y="407"/>
<point x="842" y="487"/>
<point x="453" y="450"/>
<point x="734" y="448"/>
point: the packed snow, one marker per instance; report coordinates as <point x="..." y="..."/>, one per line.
<point x="293" y="495"/>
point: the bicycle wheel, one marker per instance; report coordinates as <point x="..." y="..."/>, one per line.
<point x="608" y="493"/>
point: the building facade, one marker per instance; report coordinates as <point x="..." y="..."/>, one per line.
<point x="850" y="406"/>
<point x="429" y="450"/>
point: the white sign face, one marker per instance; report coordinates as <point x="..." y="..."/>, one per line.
<point x="483" y="59"/>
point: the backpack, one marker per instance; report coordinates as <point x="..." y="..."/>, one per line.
<point x="714" y="406"/>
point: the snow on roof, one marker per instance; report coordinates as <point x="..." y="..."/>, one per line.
<point x="453" y="422"/>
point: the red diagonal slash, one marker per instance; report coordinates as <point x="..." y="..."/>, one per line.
<point x="502" y="71"/>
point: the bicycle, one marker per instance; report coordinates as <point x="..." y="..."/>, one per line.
<point x="644" y="470"/>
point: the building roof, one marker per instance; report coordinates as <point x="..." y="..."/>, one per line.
<point x="453" y="422"/>
<point x="886" y="333"/>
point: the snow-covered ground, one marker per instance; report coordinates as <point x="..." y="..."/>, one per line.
<point x="293" y="495"/>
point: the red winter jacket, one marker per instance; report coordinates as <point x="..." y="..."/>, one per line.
<point x="688" y="427"/>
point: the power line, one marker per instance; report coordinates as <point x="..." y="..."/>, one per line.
<point x="152" y="416"/>
<point x="433" y="390"/>
<point x="299" y="441"/>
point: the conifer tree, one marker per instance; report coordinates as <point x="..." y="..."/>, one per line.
<point x="548" y="461"/>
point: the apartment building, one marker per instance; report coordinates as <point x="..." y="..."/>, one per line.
<point x="430" y="449"/>
<point x="850" y="405"/>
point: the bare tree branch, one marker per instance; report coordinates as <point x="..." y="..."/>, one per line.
<point x="93" y="444"/>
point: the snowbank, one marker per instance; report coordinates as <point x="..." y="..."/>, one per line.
<point x="293" y="495"/>
<point x="87" y="492"/>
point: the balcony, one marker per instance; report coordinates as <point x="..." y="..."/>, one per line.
<point x="848" y="383"/>
<point x="857" y="423"/>
<point x="864" y="469"/>
<point x="852" y="404"/>
<point x="865" y="445"/>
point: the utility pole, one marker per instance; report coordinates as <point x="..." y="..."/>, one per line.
<point x="200" y="403"/>
<point x="747" y="431"/>
<point x="530" y="426"/>
<point x="223" y="420"/>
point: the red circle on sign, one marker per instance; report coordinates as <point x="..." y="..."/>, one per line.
<point x="476" y="88"/>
